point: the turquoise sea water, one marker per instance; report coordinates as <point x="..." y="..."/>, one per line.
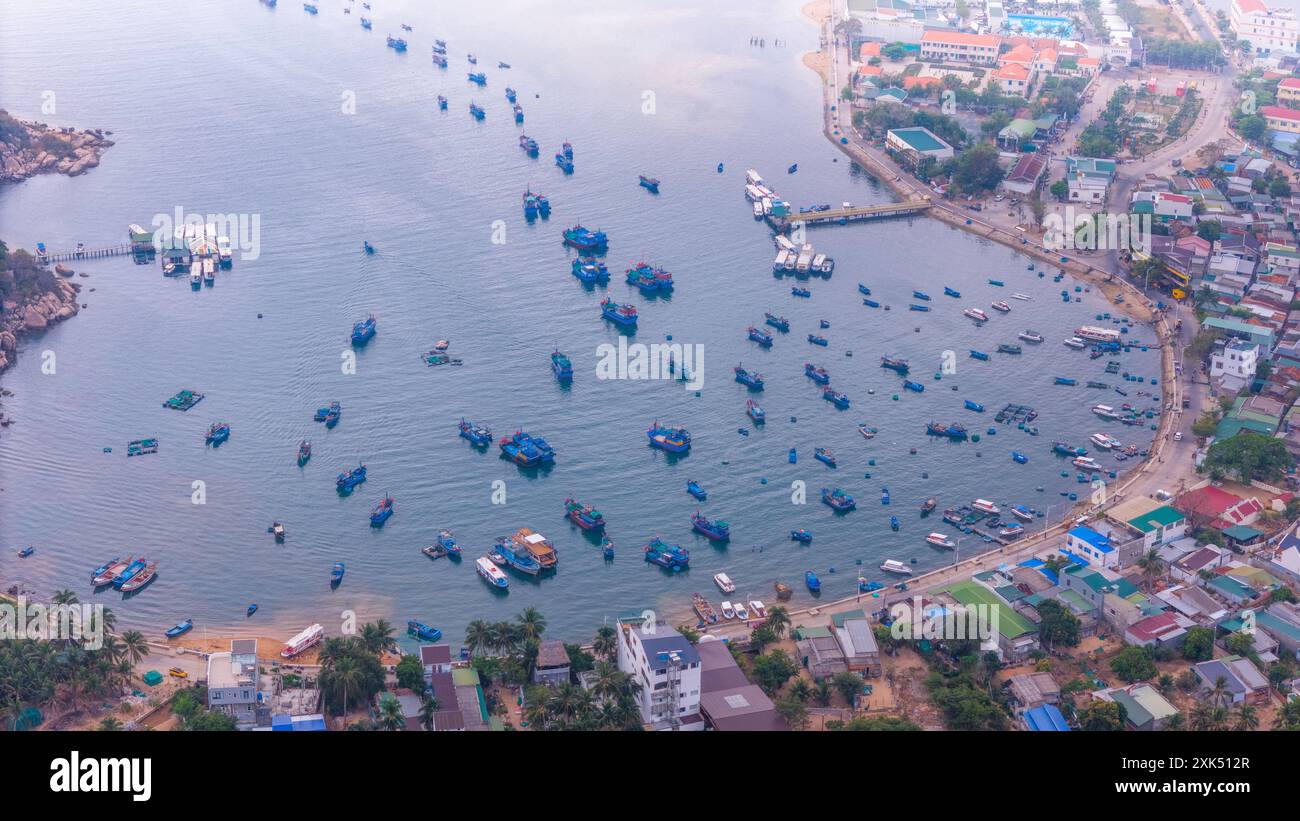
<point x="231" y="107"/>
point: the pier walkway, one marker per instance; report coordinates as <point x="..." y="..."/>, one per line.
<point x="845" y="215"/>
<point x="123" y="249"/>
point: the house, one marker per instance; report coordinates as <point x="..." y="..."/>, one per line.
<point x="1024" y="176"/>
<point x="1233" y="366"/>
<point x="434" y="658"/>
<point x="1267" y="30"/>
<point x="1194" y="603"/>
<point x="912" y="145"/>
<point x="1032" y="689"/>
<point x="858" y="644"/>
<point x="1162" y="630"/>
<point x="1045" y="718"/>
<point x="960" y="47"/>
<point x="1231" y="588"/>
<point x="728" y="702"/>
<point x="1280" y="118"/>
<point x="1288" y="90"/>
<point x="1205" y="504"/>
<point x="1244" y="682"/>
<point x="1144" y="707"/>
<point x="820" y="652"/>
<point x="233" y="682"/>
<point x="1088" y="179"/>
<point x="1240" y="537"/>
<point x="1013" y="79"/>
<point x="1281" y="621"/>
<point x="552" y="665"/>
<point x="442" y="687"/>
<point x="1093" y="546"/>
<point x="1163" y="524"/>
<point x="667" y="666"/>
<point x="1017" y="636"/>
<point x="1189" y="567"/>
<point x="409" y="702"/>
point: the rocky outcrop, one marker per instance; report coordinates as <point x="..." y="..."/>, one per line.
<point x="31" y="148"/>
<point x="35" y="314"/>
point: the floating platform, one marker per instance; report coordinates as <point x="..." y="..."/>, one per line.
<point x="184" y="400"/>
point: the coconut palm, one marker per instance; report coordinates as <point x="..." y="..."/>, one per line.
<point x="605" y="644"/>
<point x="1247" y="719"/>
<point x="110" y="725"/>
<point x="778" y="618"/>
<point x="1202" y="717"/>
<point x="65" y="596"/>
<point x="1153" y="567"/>
<point x="531" y="623"/>
<point x="428" y="706"/>
<point x="133" y="642"/>
<point x="390" y="713"/>
<point x="1220" y="695"/>
<point x="377" y="637"/>
<point x="478" y="636"/>
<point x="344" y="675"/>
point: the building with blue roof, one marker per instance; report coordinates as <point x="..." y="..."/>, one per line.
<point x="1092" y="546"/>
<point x="1046" y="718"/>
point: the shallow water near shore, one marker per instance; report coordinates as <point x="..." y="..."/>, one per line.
<point x="244" y="116"/>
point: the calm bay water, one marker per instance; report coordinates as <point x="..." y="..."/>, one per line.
<point x="230" y="107"/>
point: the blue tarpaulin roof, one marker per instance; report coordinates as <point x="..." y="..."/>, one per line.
<point x="1046" y="718"/>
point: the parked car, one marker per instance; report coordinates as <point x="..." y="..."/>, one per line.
<point x="178" y="673"/>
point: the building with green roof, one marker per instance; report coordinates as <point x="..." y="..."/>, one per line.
<point x="1017" y="636"/>
<point x="915" y="144"/>
<point x="1158" y="526"/>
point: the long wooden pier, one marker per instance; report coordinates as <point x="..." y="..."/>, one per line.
<point x="844" y="215"/>
<point x="88" y="253"/>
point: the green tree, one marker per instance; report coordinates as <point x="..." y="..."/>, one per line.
<point x="1102" y="716"/>
<point x="794" y="711"/>
<point x="1133" y="664"/>
<point x="1198" y="644"/>
<point x="1060" y="189"/>
<point x="772" y="670"/>
<point x="1057" y="625"/>
<point x="849" y="685"/>
<point x="1209" y="230"/>
<point x="1248" y="456"/>
<point x="390" y="714"/>
<point x="410" y="673"/>
<point x="978" y="170"/>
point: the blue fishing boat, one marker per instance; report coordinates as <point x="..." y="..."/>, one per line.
<point x="838" y="499"/>
<point x="810" y="579"/>
<point x="670" y="556"/>
<point x="673" y="440"/>
<point x="510" y="94"/>
<point x="975" y="406"/>
<point x="801" y="535"/>
<point x="336" y="574"/>
<point x="755" y="412"/>
<point x="473" y="60"/>
<point x="953" y="431"/>
<point x="447" y="542"/>
<point x="477" y="77"/>
<point x="252" y="608"/>
<point x="617" y="313"/>
<point x="865" y="586"/>
<point x="649" y="183"/>
<point x="583" y="239"/>
<point x="836" y="398"/>
<point x="761" y="337"/>
<point x="718" y="531"/>
<point x="900" y="366"/>
<point x="109" y="570"/>
<point x="1065" y="449"/>
<point x="567" y="150"/>
<point x="382" y="511"/>
<point x="918" y="307"/>
<point x="816" y="373"/>
<point x="792" y="168"/>
<point x="363" y="331"/>
<point x="584" y="516"/>
<point x="884" y="496"/>
<point x="310" y="8"/>
<point x="980" y="355"/>
<point x="304" y="452"/>
<point x="921" y="295"/>
<point x="913" y="386"/>
<point x="818" y="340"/>
<point x="1019" y="457"/>
<point x="365" y="23"/>
<point x="519" y="114"/>
<point x="128" y="572"/>
<point x="332" y="414"/>
<point x="528" y="144"/>
<point x="997" y="282"/>
<point x="793" y="456"/>
<point x="753" y="380"/>
<point x="396" y="43"/>
<point x="526" y="450"/>
<point x="564" y="163"/>
<point x="423" y="631"/>
<point x="779" y="322"/>
<point x="590" y="270"/>
<point x="950" y="292"/>
<point x="607" y="548"/>
<point x="218" y="433"/>
<point x="695" y="489"/>
<point x="26" y="551"/>
<point x="720" y="167"/>
<point x="476" y="111"/>
<point x="515" y="555"/>
<point x="824" y="456"/>
<point x="180" y="629"/>
<point x="561" y="367"/>
<point x="642" y="275"/>
<point x="1065" y="380"/>
<point x="871" y="303"/>
<point x="439" y="59"/>
<point x="893" y="523"/>
<point x="803" y="292"/>
<point x="864" y="290"/>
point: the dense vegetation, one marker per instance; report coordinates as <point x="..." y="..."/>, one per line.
<point x="21" y="276"/>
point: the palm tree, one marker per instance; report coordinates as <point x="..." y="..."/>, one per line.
<point x="778" y="618"/>
<point x="605" y="644"/>
<point x="133" y="642"/>
<point x="390" y="713"/>
<point x="1174" y="722"/>
<point x="478" y="636"/>
<point x="1153" y="567"/>
<point x="531" y="623"/>
<point x="605" y="684"/>
<point x="110" y="725"/>
<point x="65" y="596"/>
<point x="377" y="637"/>
<point x="800" y="690"/>
<point x="428" y="706"/>
<point x="1202" y="717"/>
<point x="344" y="674"/>
<point x="1247" y="718"/>
<point x="1220" y="696"/>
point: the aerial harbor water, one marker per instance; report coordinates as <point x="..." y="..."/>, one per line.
<point x="327" y="137"/>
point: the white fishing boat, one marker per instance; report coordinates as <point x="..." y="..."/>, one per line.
<point x="1001" y="306"/>
<point x="1105" y="412"/>
<point x="895" y="566"/>
<point x="490" y="573"/>
<point x="753" y="177"/>
<point x="305" y="640"/>
<point x="757" y="609"/>
<point x="1025" y="297"/>
<point x="817" y="261"/>
<point x="805" y="258"/>
<point x="724" y="582"/>
<point x="758" y="210"/>
<point x="1031" y="336"/>
<point x="1086" y="463"/>
<point x="779" y="263"/>
<point x="1075" y="342"/>
<point x="741" y="612"/>
<point x="985" y="506"/>
<point x="1095" y="334"/>
<point x="1101" y="440"/>
<point x="940" y="540"/>
<point x="728" y="612"/>
<point x="976" y="314"/>
<point x="753" y="194"/>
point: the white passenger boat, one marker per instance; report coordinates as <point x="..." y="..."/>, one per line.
<point x="305" y="640"/>
<point x="724" y="582"/>
<point x="895" y="566"/>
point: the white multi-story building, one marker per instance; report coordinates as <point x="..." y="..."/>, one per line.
<point x="1237" y="360"/>
<point x="1267" y="30"/>
<point x="667" y="666"/>
<point x="232" y="681"/>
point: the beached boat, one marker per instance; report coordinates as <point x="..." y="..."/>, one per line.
<point x="898" y="365"/>
<point x="584" y="516"/>
<point x="985" y="506"/>
<point x="813" y="583"/>
<point x="381" y="512"/>
<point x="703" y="609"/>
<point x="669" y="556"/>
<point x="728" y="610"/>
<point x="816" y="373"/>
<point x="139" y="579"/>
<point x="758" y="609"/>
<point x="345" y="482"/>
<point x="755" y="412"/>
<point x="526" y="450"/>
<point x="180" y="629"/>
<point x="742" y="612"/>
<point x="423" y="631"/>
<point x="751" y="379"/>
<point x="836" y="398"/>
<point x="895" y="566"/>
<point x="802" y="535"/>
<point x="695" y="489"/>
<point x="490" y="573"/>
<point x="478" y="436"/>
<point x="838" y="500"/>
<point x="824" y="456"/>
<point x="673" y="440"/>
<point x="617" y="313"/>
<point x="717" y="530"/>
<point x="304" y="641"/>
<point x="217" y="434"/>
<point x="724" y="582"/>
<point x="304" y="452"/>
